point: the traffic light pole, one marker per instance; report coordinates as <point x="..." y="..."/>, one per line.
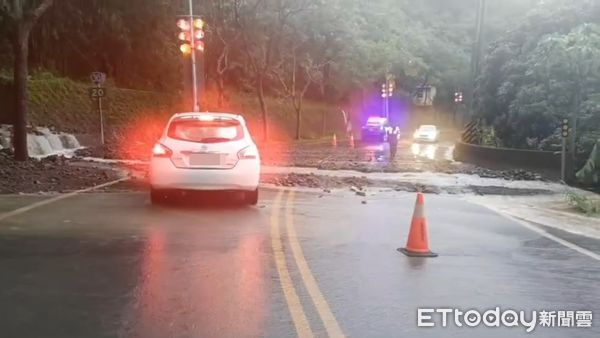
<point x="193" y="56"/>
<point x="563" y="160"/>
<point x="387" y="107"/>
<point x="565" y="133"/>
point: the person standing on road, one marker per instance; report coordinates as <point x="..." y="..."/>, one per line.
<point x="393" y="136"/>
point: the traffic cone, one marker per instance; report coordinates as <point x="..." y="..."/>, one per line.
<point x="418" y="237"/>
<point x="334" y="141"/>
<point x="352" y="141"/>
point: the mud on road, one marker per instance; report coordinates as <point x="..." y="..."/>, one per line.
<point x="57" y="173"/>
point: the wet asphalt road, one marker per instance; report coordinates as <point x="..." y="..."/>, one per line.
<point x="411" y="152"/>
<point x="299" y="264"/>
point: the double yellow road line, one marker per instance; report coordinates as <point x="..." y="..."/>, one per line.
<point x="297" y="313"/>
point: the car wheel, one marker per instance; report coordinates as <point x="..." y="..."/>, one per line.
<point x="157" y="196"/>
<point x="251" y="197"/>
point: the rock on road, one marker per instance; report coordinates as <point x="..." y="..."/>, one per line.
<point x="300" y="264"/>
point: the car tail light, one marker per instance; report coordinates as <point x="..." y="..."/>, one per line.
<point x="248" y="153"/>
<point x="160" y="150"/>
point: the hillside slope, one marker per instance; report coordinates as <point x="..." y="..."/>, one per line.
<point x="65" y="105"/>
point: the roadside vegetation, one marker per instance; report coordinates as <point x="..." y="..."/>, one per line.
<point x="281" y="52"/>
<point x="64" y="104"/>
<point x="583" y="203"/>
<point x="289" y="61"/>
<point x="542" y="71"/>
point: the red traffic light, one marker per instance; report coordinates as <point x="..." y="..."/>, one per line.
<point x="184" y="36"/>
<point x="183" y="24"/>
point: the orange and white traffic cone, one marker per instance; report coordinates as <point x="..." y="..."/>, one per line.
<point x="334" y="141"/>
<point x="352" y="141"/>
<point x="418" y="237"/>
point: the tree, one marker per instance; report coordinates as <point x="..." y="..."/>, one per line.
<point x="22" y="15"/>
<point x="262" y="26"/>
<point x="296" y="72"/>
<point x="224" y="36"/>
<point x="530" y="82"/>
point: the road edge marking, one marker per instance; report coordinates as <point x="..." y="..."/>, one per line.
<point x="527" y="224"/>
<point x="285" y="280"/>
<point x="323" y="309"/>
<point x="24" y="209"/>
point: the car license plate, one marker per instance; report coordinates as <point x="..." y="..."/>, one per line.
<point x="206" y="159"/>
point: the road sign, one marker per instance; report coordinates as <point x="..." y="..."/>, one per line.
<point x="98" y="78"/>
<point x="97" y="93"/>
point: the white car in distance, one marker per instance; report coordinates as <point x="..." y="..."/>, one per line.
<point x="205" y="152"/>
<point x="427" y="133"/>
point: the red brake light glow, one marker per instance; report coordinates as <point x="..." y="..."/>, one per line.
<point x="160" y="150"/>
<point x="248" y="153"/>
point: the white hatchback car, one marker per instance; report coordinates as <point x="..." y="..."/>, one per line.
<point x="205" y="152"/>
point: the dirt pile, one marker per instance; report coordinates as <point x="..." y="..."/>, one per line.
<point x="54" y="173"/>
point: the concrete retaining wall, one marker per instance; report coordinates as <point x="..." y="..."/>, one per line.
<point x="502" y="158"/>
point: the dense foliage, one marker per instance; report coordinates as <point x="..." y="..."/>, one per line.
<point x="544" y="70"/>
<point x="542" y="63"/>
<point x="351" y="42"/>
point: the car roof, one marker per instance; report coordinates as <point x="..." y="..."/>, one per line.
<point x="377" y="119"/>
<point x="212" y="114"/>
<point x="427" y="126"/>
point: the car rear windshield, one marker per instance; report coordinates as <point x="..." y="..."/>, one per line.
<point x="215" y="131"/>
<point x="428" y="128"/>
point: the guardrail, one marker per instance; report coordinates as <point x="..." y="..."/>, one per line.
<point x="501" y="158"/>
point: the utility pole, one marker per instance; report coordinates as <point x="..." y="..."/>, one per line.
<point x="477" y="50"/>
<point x="193" y="43"/>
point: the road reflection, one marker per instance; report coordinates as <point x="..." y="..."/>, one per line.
<point x="186" y="291"/>
<point x="376" y="152"/>
<point x="427" y="151"/>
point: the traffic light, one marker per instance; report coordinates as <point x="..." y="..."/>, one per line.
<point x="185" y="48"/>
<point x="420" y="93"/>
<point x="199" y="24"/>
<point x="387" y="89"/>
<point x="458" y="97"/>
<point x="565" y="129"/>
<point x="191" y="35"/>
<point x="183" y="24"/>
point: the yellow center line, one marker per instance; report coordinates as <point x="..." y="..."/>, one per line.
<point x="291" y="297"/>
<point x="329" y="321"/>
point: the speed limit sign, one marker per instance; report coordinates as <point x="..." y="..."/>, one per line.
<point x="97" y="93"/>
<point x="98" y="78"/>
